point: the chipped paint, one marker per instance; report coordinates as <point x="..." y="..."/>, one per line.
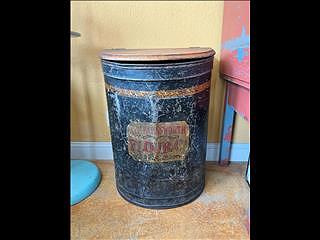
<point x="227" y="129"/>
<point x="235" y="49"/>
<point x="239" y="44"/>
<point x="228" y="135"/>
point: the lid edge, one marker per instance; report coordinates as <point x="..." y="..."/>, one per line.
<point x="155" y="57"/>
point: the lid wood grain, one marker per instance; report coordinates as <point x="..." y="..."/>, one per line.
<point x="156" y="54"/>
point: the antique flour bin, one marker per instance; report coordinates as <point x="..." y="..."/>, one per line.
<point x="158" y="103"/>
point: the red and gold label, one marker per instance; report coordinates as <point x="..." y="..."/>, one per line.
<point x="158" y="142"/>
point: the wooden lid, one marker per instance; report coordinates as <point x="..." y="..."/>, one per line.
<point x="156" y="54"/>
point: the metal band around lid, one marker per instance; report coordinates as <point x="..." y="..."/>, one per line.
<point x="161" y="93"/>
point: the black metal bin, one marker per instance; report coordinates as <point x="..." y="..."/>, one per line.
<point x="158" y="102"/>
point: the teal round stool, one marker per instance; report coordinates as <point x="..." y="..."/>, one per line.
<point x="85" y="175"/>
<point x="85" y="178"/>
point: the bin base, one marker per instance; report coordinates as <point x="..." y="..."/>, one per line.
<point x="161" y="203"/>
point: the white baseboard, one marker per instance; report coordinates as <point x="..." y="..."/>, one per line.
<point x="103" y="151"/>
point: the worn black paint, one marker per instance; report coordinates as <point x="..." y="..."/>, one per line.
<point x="168" y="184"/>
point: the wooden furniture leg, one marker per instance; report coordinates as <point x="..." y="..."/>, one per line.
<point x="227" y="129"/>
<point x="248" y="170"/>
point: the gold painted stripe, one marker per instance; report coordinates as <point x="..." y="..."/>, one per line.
<point x="161" y="93"/>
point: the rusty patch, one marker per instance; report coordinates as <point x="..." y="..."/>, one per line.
<point x="161" y="93"/>
<point x="158" y="142"/>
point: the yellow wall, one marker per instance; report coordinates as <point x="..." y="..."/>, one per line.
<point x="134" y="24"/>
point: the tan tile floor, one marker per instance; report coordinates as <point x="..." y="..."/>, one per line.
<point x="221" y="212"/>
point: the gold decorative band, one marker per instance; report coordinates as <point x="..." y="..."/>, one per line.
<point x="161" y="93"/>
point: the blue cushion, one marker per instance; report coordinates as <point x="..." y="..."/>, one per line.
<point x="85" y="178"/>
